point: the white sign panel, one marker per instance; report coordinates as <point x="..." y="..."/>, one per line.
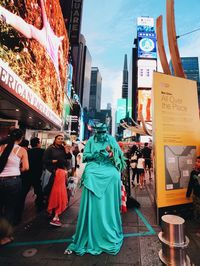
<point x="145" y="21"/>
<point x="145" y="72"/>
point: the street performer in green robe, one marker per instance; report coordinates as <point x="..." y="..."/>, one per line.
<point x="99" y="226"/>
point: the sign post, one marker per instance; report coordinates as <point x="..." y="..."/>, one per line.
<point x="176" y="131"/>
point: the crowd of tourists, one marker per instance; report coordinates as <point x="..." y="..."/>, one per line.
<point x="54" y="174"/>
<point x="140" y="163"/>
<point x="24" y="166"/>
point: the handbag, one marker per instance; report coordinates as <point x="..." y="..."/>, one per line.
<point x="45" y="178"/>
<point x="47" y="181"/>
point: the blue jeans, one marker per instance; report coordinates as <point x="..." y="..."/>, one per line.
<point x="10" y="190"/>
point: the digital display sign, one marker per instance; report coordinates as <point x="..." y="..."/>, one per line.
<point x="146" y="37"/>
<point x="69" y="80"/>
<point x="145" y="24"/>
<point x="147" y="45"/>
<point x="33" y="52"/>
<point x="145" y="105"/>
<point x="145" y="72"/>
<point x="121" y="109"/>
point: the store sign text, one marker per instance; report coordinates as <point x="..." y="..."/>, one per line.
<point x="10" y="81"/>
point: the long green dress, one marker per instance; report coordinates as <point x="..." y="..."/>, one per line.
<point x="99" y="226"/>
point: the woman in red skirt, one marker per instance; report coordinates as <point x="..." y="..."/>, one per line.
<point x="58" y="199"/>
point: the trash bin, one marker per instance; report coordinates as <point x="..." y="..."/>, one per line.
<point x="174" y="241"/>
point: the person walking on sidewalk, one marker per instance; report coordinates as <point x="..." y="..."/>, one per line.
<point x="32" y="177"/>
<point x="56" y="152"/>
<point x="133" y="164"/>
<point x="140" y="170"/>
<point x="80" y="166"/>
<point x="146" y="152"/>
<point x="58" y="199"/>
<point x="99" y="226"/>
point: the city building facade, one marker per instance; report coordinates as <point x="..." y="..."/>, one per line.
<point x="191" y="69"/>
<point x="95" y="90"/>
<point x="125" y="79"/>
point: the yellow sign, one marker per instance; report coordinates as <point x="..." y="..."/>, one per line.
<point x="176" y="135"/>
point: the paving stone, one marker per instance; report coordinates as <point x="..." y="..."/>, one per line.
<point x="136" y="250"/>
<point x="129" y="253"/>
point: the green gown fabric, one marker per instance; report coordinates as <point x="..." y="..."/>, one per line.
<point x="99" y="226"/>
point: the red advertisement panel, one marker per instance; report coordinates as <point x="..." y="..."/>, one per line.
<point x="144" y="105"/>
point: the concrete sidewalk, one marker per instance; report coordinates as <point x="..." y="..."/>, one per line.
<point x="140" y="247"/>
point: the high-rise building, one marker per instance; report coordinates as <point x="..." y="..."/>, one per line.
<point x="144" y="62"/>
<point x="132" y="85"/>
<point x="109" y="106"/>
<point x="191" y="69"/>
<point x="190" y="66"/>
<point x="125" y="79"/>
<point x="95" y="90"/>
<point x="78" y="64"/>
<point x="86" y="79"/>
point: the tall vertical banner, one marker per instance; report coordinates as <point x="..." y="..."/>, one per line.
<point x="176" y="134"/>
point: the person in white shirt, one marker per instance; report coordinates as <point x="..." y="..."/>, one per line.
<point x="140" y="170"/>
<point x="13" y="161"/>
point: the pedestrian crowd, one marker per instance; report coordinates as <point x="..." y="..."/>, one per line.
<point x="141" y="164"/>
<point x="46" y="171"/>
<point x="54" y="174"/>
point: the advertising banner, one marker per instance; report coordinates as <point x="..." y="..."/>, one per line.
<point x="34" y="45"/>
<point x="145" y="24"/>
<point x="176" y="131"/>
<point x="75" y="21"/>
<point x="121" y="109"/>
<point x="146" y="37"/>
<point x="147" y="45"/>
<point x="145" y="105"/>
<point x="145" y="72"/>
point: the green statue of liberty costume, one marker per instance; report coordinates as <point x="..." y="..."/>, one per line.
<point x="99" y="226"/>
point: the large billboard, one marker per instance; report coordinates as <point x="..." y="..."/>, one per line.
<point x="33" y="53"/>
<point x="145" y="105"/>
<point x="121" y="109"/>
<point x="145" y="72"/>
<point x="147" y="45"/>
<point x="176" y="134"/>
<point x="145" y="24"/>
<point x="146" y="37"/>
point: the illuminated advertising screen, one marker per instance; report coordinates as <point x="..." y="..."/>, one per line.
<point x="127" y="133"/>
<point x="145" y="72"/>
<point x="147" y="45"/>
<point x="121" y="109"/>
<point x="145" y="24"/>
<point x="33" y="53"/>
<point x="69" y="80"/>
<point x="144" y="105"/>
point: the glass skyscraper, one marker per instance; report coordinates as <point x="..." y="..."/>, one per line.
<point x="95" y="90"/>
<point x="190" y="66"/>
<point x="191" y="69"/>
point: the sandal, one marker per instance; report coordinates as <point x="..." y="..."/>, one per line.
<point x="6" y="240"/>
<point x="68" y="252"/>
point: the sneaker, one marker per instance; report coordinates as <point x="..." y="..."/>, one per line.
<point x="55" y="222"/>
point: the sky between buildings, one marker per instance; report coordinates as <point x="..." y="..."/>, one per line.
<point x="109" y="27"/>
